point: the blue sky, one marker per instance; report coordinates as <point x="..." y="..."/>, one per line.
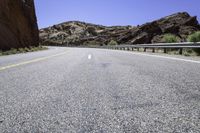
<point x="111" y="12"/>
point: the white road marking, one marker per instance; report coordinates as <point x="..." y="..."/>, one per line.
<point x="167" y="57"/>
<point x="89" y="56"/>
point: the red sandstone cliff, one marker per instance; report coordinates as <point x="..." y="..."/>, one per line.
<point x="18" y="24"/>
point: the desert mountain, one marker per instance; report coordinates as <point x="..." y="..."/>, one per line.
<point x="80" y="33"/>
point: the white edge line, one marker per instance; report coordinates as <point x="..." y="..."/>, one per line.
<point x="167" y="57"/>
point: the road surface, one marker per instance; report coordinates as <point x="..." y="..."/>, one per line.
<point x="63" y="90"/>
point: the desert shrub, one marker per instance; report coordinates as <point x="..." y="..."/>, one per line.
<point x="22" y="50"/>
<point x="170" y="38"/>
<point x="26" y="49"/>
<point x="195" y="37"/>
<point x="13" y="51"/>
<point x="92" y="43"/>
<point x="197" y="51"/>
<point x="92" y="31"/>
<point x="32" y="49"/>
<point x="112" y="42"/>
<point x="8" y="52"/>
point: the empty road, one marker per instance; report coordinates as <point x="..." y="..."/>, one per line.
<point x="81" y="90"/>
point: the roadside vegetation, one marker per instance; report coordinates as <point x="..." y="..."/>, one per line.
<point x="195" y="37"/>
<point x="112" y="42"/>
<point x="170" y="38"/>
<point x="22" y="50"/>
<point x="186" y="52"/>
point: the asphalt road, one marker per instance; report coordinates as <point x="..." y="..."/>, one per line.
<point x="63" y="90"/>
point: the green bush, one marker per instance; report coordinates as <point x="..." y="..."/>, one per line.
<point x="13" y="51"/>
<point x="170" y="38"/>
<point x="197" y="50"/>
<point x="112" y="42"/>
<point x="26" y="49"/>
<point x="92" y="43"/>
<point x="195" y="37"/>
<point x="22" y="50"/>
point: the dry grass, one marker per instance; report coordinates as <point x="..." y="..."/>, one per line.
<point x="22" y="50"/>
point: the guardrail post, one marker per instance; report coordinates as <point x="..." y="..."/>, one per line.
<point x="132" y="49"/>
<point x="153" y="50"/>
<point x="138" y="49"/>
<point x="145" y="49"/>
<point x="128" y="48"/>
<point x="165" y="50"/>
<point x="181" y="51"/>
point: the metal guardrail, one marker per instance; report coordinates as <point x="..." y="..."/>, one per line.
<point x="165" y="46"/>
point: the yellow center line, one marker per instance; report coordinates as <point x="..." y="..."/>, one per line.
<point x="31" y="61"/>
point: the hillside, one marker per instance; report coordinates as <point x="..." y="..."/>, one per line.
<point x="80" y="33"/>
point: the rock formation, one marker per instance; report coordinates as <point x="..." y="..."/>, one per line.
<point x="18" y="24"/>
<point x="80" y="33"/>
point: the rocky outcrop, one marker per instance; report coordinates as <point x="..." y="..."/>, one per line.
<point x="18" y="24"/>
<point x="75" y="32"/>
<point x="179" y="24"/>
<point x="80" y="33"/>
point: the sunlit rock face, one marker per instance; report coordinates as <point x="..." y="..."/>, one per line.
<point x="18" y="24"/>
<point x="80" y="33"/>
